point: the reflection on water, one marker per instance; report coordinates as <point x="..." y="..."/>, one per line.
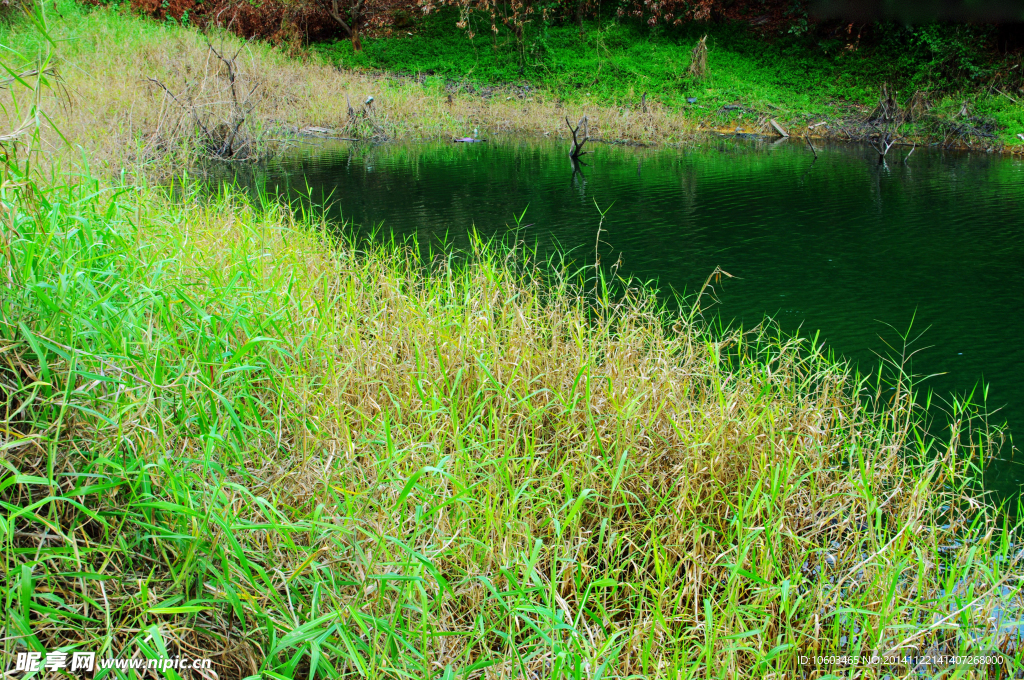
<point x="841" y="245"/>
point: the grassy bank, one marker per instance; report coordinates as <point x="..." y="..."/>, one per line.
<point x="799" y="80"/>
<point x="114" y="66"/>
<point x="123" y="120"/>
<point x="224" y="436"/>
<point x="229" y="435"/>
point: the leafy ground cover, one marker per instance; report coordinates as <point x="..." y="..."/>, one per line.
<point x="797" y="79"/>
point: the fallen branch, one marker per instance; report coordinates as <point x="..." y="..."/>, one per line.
<point x="778" y="128"/>
<point x="808" y="140"/>
<point x="911" y="153"/>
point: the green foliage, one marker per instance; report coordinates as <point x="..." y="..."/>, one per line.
<point x="939" y="55"/>
<point x="797" y="77"/>
<point x="29" y="78"/>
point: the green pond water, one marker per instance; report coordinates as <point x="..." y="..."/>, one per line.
<point x="841" y="245"/>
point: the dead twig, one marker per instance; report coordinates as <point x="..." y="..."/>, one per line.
<point x="911" y="153"/>
<point x="886" y="120"/>
<point x="222" y="133"/>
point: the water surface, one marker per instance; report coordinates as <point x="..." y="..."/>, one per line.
<point x="841" y="245"/>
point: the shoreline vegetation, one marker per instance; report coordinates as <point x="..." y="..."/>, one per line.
<point x="230" y="435"/>
<point x="134" y="89"/>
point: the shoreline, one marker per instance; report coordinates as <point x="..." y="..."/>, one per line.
<point x="120" y="111"/>
<point x="542" y="115"/>
<point x="308" y="134"/>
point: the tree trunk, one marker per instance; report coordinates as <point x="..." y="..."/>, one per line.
<point x="336" y="15"/>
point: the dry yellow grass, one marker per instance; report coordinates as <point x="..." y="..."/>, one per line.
<point x="123" y="120"/>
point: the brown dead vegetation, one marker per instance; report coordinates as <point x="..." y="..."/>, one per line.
<point x="280" y="21"/>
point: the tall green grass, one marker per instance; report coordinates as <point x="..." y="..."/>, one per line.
<point x="228" y="434"/>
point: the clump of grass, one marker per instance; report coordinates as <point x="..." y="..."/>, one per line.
<point x="699" y="59"/>
<point x="226" y="436"/>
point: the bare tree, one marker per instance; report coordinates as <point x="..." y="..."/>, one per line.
<point x="886" y="120"/>
<point x="220" y="116"/>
